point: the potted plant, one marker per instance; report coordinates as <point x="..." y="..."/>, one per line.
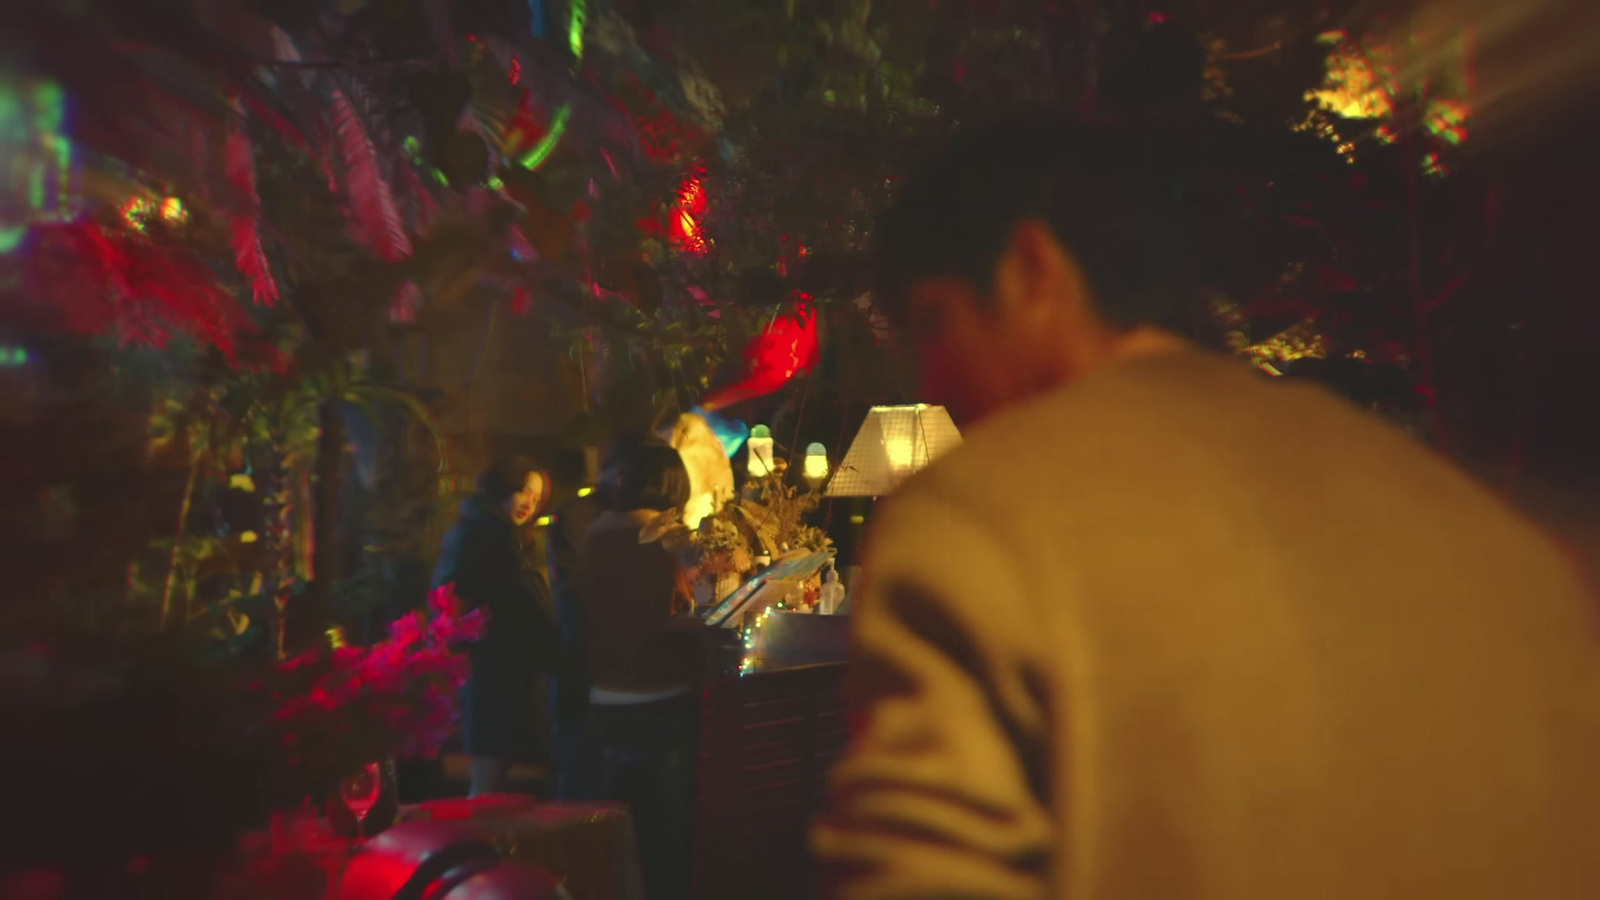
<point x="342" y="714"/>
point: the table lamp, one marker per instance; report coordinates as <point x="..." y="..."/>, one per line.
<point x="893" y="443"/>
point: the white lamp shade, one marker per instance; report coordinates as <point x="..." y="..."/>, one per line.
<point x="893" y="443"/>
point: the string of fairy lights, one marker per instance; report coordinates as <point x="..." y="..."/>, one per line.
<point x="747" y="636"/>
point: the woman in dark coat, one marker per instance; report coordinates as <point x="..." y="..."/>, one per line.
<point x="482" y="555"/>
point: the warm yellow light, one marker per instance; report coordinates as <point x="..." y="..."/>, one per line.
<point x="894" y="442"/>
<point x="242" y="482"/>
<point x="900" y="452"/>
<point x="584" y="492"/>
<point x="248" y="537"/>
<point x="1360" y="79"/>
<point x="816" y="462"/>
<point x="696" y="510"/>
<point x="542" y="521"/>
<point x="135" y="211"/>
<point x="857" y="520"/>
<point x="759" y="448"/>
<point x="173" y="212"/>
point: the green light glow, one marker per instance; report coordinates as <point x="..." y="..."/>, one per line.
<point x="40" y="173"/>
<point x="137" y="212"/>
<point x="11" y="237"/>
<point x="575" y="28"/>
<point x="10" y="105"/>
<point x="541" y="151"/>
<point x="1446" y="119"/>
<point x="51" y="104"/>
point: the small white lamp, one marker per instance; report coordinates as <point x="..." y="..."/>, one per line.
<point x="816" y="464"/>
<point x="760" y="463"/>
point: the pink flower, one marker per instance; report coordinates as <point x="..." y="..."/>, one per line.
<point x="384" y="657"/>
<point x="348" y="656"/>
<point x="407" y="629"/>
<point x="397" y="696"/>
<point x="444" y="601"/>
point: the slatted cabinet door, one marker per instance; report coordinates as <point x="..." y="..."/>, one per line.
<point x="766" y="743"/>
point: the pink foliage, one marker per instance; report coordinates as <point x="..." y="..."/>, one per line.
<point x="96" y="280"/>
<point x="397" y="697"/>
<point x="376" y="218"/>
<point x="240" y="168"/>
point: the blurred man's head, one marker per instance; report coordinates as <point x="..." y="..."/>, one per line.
<point x="658" y="483"/>
<point x="620" y="455"/>
<point x="1031" y="254"/>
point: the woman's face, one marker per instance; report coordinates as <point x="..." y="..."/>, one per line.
<point x="524" y="503"/>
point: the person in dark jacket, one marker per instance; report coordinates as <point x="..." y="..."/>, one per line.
<point x="482" y="555"/>
<point x="641" y="725"/>
<point x="567" y="537"/>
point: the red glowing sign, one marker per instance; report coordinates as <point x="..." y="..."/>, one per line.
<point x="787" y="348"/>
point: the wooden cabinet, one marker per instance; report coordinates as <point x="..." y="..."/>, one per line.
<point x="767" y="740"/>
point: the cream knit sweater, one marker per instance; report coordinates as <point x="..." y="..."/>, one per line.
<point x="1179" y="631"/>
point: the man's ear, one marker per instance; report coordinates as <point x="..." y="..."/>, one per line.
<point x="1035" y="272"/>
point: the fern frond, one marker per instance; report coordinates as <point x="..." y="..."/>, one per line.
<point x="375" y="219"/>
<point x="238" y="161"/>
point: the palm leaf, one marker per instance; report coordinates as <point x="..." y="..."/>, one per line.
<point x="96" y="281"/>
<point x="240" y="170"/>
<point x="411" y="193"/>
<point x="374" y="217"/>
<point x="408" y="402"/>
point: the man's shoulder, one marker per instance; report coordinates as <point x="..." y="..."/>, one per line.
<point x="1034" y="438"/>
<point x="1169" y="449"/>
<point x="1152" y="432"/>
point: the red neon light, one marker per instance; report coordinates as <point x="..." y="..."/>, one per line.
<point x="788" y="347"/>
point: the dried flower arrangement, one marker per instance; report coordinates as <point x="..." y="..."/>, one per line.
<point x="771" y="523"/>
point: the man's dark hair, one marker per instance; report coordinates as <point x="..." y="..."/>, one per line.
<point x="620" y="455"/>
<point x="504" y="477"/>
<point x="1117" y="200"/>
<point x="659" y="482"/>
